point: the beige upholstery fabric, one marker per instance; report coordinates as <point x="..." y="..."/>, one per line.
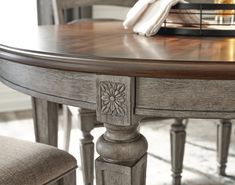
<point x="26" y="163"/>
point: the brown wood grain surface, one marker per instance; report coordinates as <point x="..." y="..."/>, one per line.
<point x="106" y="48"/>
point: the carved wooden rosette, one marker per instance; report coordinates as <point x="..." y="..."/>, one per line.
<point x="115" y="97"/>
<point x="122" y="148"/>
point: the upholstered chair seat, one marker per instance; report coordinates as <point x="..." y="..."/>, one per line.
<point x="26" y="163"/>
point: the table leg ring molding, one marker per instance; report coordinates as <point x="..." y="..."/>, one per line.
<point x="176" y="179"/>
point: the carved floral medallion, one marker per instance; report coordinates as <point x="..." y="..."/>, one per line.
<point x="113" y="98"/>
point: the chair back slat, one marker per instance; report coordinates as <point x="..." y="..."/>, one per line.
<point x="74" y="3"/>
<point x="59" y="5"/>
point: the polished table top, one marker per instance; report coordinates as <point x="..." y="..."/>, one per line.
<point x="105" y="47"/>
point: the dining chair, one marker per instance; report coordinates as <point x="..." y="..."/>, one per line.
<point x="87" y="118"/>
<point x="27" y="163"/>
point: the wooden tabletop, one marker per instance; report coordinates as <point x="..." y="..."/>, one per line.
<point x="106" y="48"/>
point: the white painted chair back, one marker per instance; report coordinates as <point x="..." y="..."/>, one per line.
<point x="60" y="5"/>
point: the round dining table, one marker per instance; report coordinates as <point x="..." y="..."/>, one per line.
<point x="124" y="77"/>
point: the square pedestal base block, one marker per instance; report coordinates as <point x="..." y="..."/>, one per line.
<point x="131" y="173"/>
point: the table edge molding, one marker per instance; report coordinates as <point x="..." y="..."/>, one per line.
<point x="123" y="67"/>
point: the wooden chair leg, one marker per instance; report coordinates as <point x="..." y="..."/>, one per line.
<point x="69" y="179"/>
<point x="178" y="136"/>
<point x="223" y="141"/>
<point x="67" y="126"/>
<point x="45" y="115"/>
<point x="87" y="119"/>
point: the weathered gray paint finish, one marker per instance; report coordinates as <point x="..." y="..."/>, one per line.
<point x="132" y="173"/>
<point x="86" y="122"/>
<point x="62" y="84"/>
<point x="178" y="136"/>
<point x="45" y="115"/>
<point x="122" y="148"/>
<point x="44" y="12"/>
<point x="67" y="127"/>
<point x="185" y="95"/>
<point x="184" y="114"/>
<point x="224" y="129"/>
<point x="17" y="76"/>
<point x="115" y="99"/>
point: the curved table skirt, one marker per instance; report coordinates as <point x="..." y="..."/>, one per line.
<point x="184" y="98"/>
<point x="65" y="87"/>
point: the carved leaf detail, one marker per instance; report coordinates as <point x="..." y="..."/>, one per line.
<point x="113" y="98"/>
